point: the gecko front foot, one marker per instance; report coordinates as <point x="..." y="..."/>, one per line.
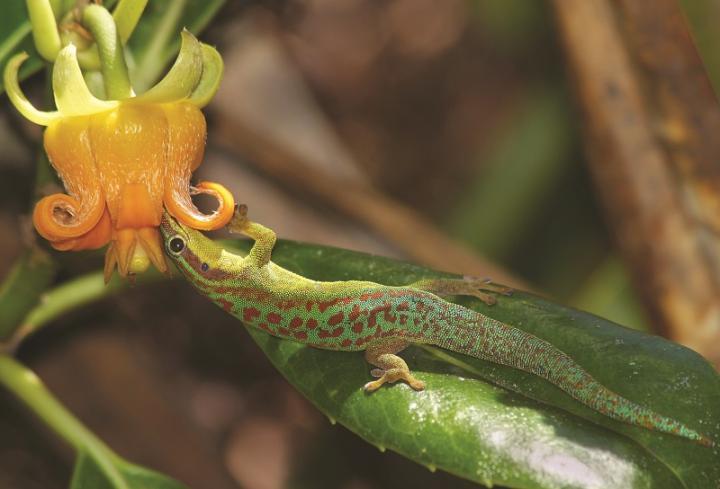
<point x="239" y="220"/>
<point x="470" y="286"/>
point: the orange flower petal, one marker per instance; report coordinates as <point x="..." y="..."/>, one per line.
<point x="110" y="262"/>
<point x="136" y="209"/>
<point x="58" y="217"/>
<point x="179" y="204"/>
<point x="67" y="143"/>
<point x="130" y="148"/>
<point x="150" y="241"/>
<point x="187" y="132"/>
<point x="124" y="248"/>
<point x="96" y="238"/>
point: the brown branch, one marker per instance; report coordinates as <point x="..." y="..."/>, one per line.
<point x="399" y="224"/>
<point x="650" y="117"/>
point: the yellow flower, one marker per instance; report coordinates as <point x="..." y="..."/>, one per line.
<point x="121" y="160"/>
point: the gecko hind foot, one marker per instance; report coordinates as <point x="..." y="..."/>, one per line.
<point x="487" y="284"/>
<point x="392" y="376"/>
<point x="390" y="367"/>
<point x="480" y="288"/>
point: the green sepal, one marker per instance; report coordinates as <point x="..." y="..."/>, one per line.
<point x="183" y="77"/>
<point x="72" y="96"/>
<point x="18" y="98"/>
<point x="212" y="73"/>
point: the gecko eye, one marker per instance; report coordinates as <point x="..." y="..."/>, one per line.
<point x="176" y="245"/>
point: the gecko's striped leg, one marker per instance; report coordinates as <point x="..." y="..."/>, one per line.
<point x="472" y="286"/>
<point x="264" y="238"/>
<point x="391" y="367"/>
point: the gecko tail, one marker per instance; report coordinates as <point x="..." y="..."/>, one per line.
<point x="489" y="339"/>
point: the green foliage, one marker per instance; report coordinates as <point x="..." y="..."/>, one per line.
<point x="22" y="288"/>
<point x="15" y="36"/>
<point x="528" y="434"/>
<point x="156" y="40"/>
<point x="89" y="475"/>
<point x="97" y="467"/>
<point x="153" y="45"/>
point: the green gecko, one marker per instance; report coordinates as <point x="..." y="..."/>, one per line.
<point x="382" y="320"/>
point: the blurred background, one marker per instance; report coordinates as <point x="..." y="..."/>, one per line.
<point x="469" y="136"/>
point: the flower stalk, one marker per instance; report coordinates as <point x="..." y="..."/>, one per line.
<point x="102" y="26"/>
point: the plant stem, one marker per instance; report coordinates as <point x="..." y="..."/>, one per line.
<point x="112" y="59"/>
<point x="22" y="288"/>
<point x="23" y="382"/>
<point x="44" y="28"/>
<point x="72" y="295"/>
<point x="126" y="15"/>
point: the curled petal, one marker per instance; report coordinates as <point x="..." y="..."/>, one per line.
<point x="59" y="216"/>
<point x="96" y="238"/>
<point x="182" y="78"/>
<point x="72" y="95"/>
<point x="180" y="206"/>
<point x="17" y="97"/>
<point x="210" y="80"/>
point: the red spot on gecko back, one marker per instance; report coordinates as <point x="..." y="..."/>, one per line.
<point x="296" y="322"/>
<point x="372" y="295"/>
<point x="403" y="306"/>
<point x="225" y="304"/>
<point x="311" y="323"/>
<point x="355" y="313"/>
<point x="301" y="335"/>
<point x="273" y="318"/>
<point x="345" y="343"/>
<point x="357" y="327"/>
<point x="336" y="318"/>
<point x="323" y="306"/>
<point x="287" y="305"/>
<point x="250" y="313"/>
<point x="324" y="333"/>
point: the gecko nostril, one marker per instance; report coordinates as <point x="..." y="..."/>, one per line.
<point x="204" y="267"/>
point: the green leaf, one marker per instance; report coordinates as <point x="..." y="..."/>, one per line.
<point x="22" y="288"/>
<point x="526" y="433"/>
<point x="89" y="475"/>
<point x="15" y="36"/>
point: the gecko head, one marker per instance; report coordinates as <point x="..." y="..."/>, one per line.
<point x="189" y="249"/>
